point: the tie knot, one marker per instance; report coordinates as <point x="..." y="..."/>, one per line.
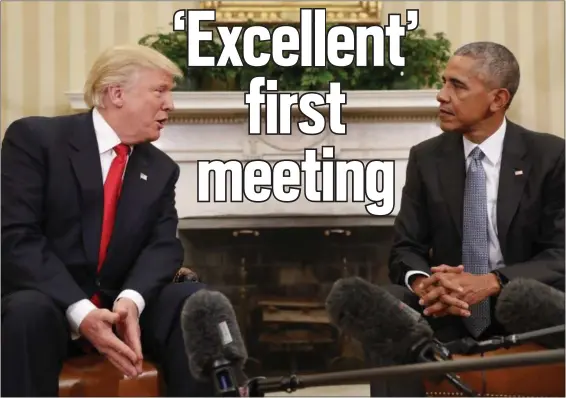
<point x="477" y="154"/>
<point x="122" y="150"/>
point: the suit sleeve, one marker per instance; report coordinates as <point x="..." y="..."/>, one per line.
<point x="163" y="254"/>
<point x="547" y="266"/>
<point x="411" y="231"/>
<point x="27" y="261"/>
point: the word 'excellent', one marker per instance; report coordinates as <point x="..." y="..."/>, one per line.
<point x="324" y="180"/>
<point x="278" y="109"/>
<point x="316" y="45"/>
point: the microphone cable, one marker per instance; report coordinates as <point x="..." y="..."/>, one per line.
<point x="444" y="354"/>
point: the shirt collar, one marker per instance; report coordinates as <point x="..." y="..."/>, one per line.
<point x="105" y="135"/>
<point x="491" y="147"/>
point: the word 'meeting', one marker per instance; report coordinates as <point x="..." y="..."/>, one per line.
<point x="311" y="44"/>
<point x="258" y="181"/>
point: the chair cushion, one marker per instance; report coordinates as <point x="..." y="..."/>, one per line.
<point x="94" y="376"/>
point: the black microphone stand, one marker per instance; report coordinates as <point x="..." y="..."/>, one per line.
<point x="259" y="386"/>
<point x="469" y="346"/>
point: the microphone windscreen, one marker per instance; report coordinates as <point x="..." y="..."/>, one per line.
<point x="526" y="305"/>
<point x="211" y="333"/>
<point x="383" y="324"/>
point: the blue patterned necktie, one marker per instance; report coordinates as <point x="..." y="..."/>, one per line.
<point x="475" y="251"/>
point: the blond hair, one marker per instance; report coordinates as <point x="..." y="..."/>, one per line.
<point x="118" y="64"/>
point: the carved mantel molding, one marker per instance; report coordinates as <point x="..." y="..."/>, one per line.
<point x="228" y="107"/>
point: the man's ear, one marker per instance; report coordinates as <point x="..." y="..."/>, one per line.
<point x="116" y="95"/>
<point x="501" y="98"/>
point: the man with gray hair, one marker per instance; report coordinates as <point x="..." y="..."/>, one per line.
<point x="89" y="225"/>
<point x="482" y="205"/>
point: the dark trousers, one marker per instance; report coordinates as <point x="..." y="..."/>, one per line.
<point x="36" y="341"/>
<point x="446" y="329"/>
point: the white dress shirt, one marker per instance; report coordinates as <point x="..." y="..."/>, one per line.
<point x="107" y="139"/>
<point x="492" y="148"/>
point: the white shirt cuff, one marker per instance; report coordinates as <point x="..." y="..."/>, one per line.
<point x="135" y="297"/>
<point x="411" y="273"/>
<point x="76" y="313"/>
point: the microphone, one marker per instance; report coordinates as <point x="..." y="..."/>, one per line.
<point x="375" y="318"/>
<point x="384" y="325"/>
<point x="213" y="342"/>
<point x="526" y="305"/>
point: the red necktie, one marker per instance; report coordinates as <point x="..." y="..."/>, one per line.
<point x="112" y="188"/>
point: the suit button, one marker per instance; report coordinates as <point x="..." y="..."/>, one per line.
<point x="97" y="282"/>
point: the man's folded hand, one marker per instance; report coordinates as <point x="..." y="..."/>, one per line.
<point x="96" y="327"/>
<point x="441" y="299"/>
<point x="128" y="328"/>
<point x="450" y="290"/>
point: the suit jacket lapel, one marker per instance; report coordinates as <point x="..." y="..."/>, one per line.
<point x="132" y="198"/>
<point x="452" y="172"/>
<point x="513" y="175"/>
<point x="85" y="160"/>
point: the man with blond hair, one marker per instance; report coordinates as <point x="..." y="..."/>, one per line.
<point x="89" y="233"/>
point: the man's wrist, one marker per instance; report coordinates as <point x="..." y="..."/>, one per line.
<point x="77" y="312"/>
<point x="135" y="297"/>
<point x="410" y="277"/>
<point x="128" y="302"/>
<point x="495" y="283"/>
<point x="416" y="282"/>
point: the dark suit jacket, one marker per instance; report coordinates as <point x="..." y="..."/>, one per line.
<point x="530" y="207"/>
<point x="52" y="198"/>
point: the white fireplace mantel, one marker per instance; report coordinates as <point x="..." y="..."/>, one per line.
<point x="215" y="102"/>
<point x="382" y="125"/>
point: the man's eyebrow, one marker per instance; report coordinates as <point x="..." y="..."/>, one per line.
<point x="454" y="80"/>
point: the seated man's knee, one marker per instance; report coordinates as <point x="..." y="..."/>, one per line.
<point x="176" y="293"/>
<point x="188" y="287"/>
<point x="31" y="311"/>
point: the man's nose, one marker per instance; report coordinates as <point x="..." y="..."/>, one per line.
<point x="441" y="96"/>
<point x="168" y="104"/>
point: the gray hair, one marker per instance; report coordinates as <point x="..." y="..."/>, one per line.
<point x="497" y="63"/>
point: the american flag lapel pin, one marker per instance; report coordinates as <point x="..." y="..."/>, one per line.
<point x="143" y="176"/>
<point x="518" y="172"/>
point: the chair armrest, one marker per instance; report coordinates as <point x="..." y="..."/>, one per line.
<point x="185" y="274"/>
